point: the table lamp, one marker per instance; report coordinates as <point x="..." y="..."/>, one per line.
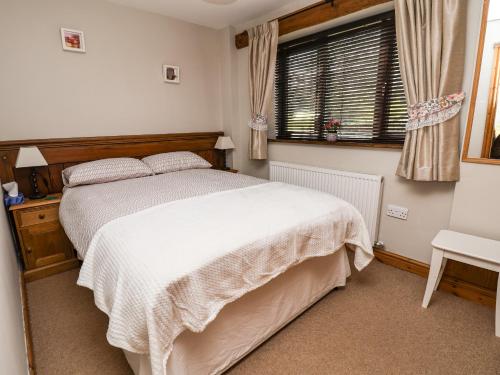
<point x="31" y="157"/>
<point x="224" y="143"/>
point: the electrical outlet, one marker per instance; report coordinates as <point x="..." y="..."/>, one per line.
<point x="397" y="212"/>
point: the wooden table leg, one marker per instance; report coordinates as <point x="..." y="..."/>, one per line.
<point x="437" y="259"/>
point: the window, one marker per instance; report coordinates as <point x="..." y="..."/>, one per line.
<point x="350" y="73"/>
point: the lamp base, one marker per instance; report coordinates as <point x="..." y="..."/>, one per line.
<point x="34" y="186"/>
<point x="37" y="195"/>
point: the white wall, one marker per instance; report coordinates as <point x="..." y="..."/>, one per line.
<point x="476" y="203"/>
<point x="12" y="346"/>
<point x="229" y="88"/>
<point x="429" y="204"/>
<point x="116" y="87"/>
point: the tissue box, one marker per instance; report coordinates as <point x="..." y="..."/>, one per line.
<point x="11" y="201"/>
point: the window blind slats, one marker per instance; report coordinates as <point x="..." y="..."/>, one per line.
<point x="351" y="73"/>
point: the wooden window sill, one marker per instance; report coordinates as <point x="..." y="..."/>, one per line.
<point x="339" y="143"/>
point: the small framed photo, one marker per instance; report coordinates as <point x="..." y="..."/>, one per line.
<point x="72" y="40"/>
<point x="171" y="74"/>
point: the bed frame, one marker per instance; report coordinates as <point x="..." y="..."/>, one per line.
<point x="61" y="153"/>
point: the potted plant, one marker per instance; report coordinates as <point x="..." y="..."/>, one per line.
<point x="331" y="128"/>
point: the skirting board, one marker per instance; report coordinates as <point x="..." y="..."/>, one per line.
<point x="452" y="285"/>
<point x="27" y="326"/>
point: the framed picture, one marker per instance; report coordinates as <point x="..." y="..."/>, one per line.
<point x="72" y="40"/>
<point x="171" y="74"/>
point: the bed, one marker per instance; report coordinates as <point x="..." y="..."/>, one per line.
<point x="199" y="202"/>
<point x="196" y="268"/>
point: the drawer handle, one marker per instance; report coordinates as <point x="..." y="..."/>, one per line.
<point x="41" y="216"/>
<point x="29" y="250"/>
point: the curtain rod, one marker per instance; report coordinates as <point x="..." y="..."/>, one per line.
<point x="312" y="15"/>
<point x="315" y="5"/>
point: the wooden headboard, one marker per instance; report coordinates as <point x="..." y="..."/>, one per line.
<point x="61" y="153"/>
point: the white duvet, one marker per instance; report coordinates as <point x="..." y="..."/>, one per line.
<point x="173" y="267"/>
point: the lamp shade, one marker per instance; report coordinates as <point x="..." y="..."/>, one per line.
<point x="30" y="157"/>
<point x="224" y="143"/>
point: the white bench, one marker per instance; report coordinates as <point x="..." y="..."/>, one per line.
<point x="480" y="252"/>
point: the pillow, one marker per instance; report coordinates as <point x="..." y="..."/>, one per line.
<point x="104" y="170"/>
<point x="175" y="161"/>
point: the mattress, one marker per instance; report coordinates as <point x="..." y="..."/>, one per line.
<point x="85" y="209"/>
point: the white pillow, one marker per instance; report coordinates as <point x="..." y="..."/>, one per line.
<point x="175" y="161"/>
<point x="104" y="170"/>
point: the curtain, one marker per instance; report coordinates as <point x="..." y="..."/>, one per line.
<point x="263" y="45"/>
<point x="431" y="42"/>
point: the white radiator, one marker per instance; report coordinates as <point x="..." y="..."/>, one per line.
<point x="363" y="191"/>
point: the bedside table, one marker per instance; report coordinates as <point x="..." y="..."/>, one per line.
<point x="45" y="249"/>
<point x="232" y="170"/>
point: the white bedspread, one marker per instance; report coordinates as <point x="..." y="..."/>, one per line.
<point x="173" y="267"/>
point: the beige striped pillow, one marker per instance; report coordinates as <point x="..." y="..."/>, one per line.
<point x="104" y="170"/>
<point x="175" y="161"/>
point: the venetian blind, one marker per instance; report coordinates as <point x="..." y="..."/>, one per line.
<point x="350" y="73"/>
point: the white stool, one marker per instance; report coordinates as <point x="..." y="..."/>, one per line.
<point x="480" y="252"/>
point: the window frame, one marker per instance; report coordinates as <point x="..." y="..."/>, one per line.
<point x="321" y="38"/>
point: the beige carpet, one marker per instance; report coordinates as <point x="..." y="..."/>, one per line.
<point x="373" y="326"/>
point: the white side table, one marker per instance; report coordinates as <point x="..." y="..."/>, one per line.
<point x="480" y="252"/>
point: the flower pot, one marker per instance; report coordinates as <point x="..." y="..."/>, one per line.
<point x="331" y="137"/>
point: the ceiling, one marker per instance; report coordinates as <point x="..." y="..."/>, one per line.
<point x="205" y="13"/>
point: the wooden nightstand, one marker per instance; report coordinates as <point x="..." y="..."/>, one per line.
<point x="45" y="249"/>
<point x="232" y="170"/>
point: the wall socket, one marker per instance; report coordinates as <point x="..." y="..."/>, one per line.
<point x="397" y="212"/>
